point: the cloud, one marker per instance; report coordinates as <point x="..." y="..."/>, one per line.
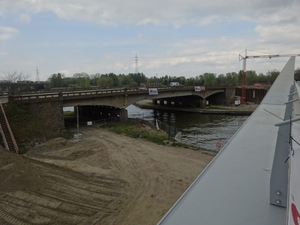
<point x="208" y="35"/>
<point x="65" y="72"/>
<point x="7" y="33"/>
<point x="24" y="18"/>
<point x="157" y="12"/>
<point x="282" y="36"/>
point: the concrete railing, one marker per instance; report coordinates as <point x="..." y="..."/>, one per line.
<point x="89" y="93"/>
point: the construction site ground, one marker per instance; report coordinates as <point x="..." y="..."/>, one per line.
<point x="103" y="178"/>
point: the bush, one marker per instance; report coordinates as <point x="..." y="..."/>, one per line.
<point x="140" y="129"/>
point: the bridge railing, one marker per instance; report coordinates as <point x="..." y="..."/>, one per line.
<point x="61" y="95"/>
<point x="67" y="94"/>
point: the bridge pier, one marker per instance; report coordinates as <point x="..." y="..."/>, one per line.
<point x="123" y="115"/>
<point x="51" y="113"/>
<point x="202" y="102"/>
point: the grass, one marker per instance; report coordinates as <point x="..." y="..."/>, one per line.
<point x="214" y="107"/>
<point x="69" y="113"/>
<point x="145" y="130"/>
<point x="139" y="129"/>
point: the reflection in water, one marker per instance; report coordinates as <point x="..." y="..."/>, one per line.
<point x="201" y="130"/>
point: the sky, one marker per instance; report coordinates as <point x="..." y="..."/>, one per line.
<point x="175" y="38"/>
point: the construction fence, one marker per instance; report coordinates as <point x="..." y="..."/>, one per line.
<point x="170" y="130"/>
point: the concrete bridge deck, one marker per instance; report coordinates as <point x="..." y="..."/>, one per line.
<point x="103" y="103"/>
<point x="120" y="97"/>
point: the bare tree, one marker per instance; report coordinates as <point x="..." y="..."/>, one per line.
<point x="14" y="77"/>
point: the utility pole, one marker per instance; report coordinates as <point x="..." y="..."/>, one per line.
<point x="37" y="74"/>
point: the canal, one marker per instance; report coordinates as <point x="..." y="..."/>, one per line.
<point x="199" y="130"/>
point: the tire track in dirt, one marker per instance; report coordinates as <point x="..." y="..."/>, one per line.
<point x="49" y="194"/>
<point x="104" y="178"/>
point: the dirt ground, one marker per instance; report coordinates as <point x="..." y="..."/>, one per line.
<point x="104" y="178"/>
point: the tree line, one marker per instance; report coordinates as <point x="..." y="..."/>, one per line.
<point x="111" y="80"/>
<point x="84" y="80"/>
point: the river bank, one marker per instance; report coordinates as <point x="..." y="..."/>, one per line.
<point x="243" y="109"/>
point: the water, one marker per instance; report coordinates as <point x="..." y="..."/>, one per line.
<point x="200" y="130"/>
<point x="68" y="109"/>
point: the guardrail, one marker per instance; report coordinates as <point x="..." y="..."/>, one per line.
<point x="65" y="95"/>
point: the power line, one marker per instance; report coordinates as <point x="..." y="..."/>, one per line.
<point x="37" y="74"/>
<point x="136" y="64"/>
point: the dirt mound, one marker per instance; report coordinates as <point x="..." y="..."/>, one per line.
<point x="104" y="178"/>
<point x="34" y="192"/>
<point x="57" y="143"/>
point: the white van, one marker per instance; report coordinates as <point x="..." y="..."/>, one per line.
<point x="174" y="84"/>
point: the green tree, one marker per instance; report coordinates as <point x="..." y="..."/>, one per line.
<point x="125" y="79"/>
<point x="94" y="78"/>
<point x="261" y="78"/>
<point x="56" y="80"/>
<point x="165" y="80"/>
<point x="199" y="80"/>
<point x="272" y="75"/>
<point x="105" y="82"/>
<point x="69" y="82"/>
<point x="209" y="78"/>
<point x="154" y="80"/>
<point x="133" y="84"/>
<point x="232" y="78"/>
<point x="82" y="80"/>
<point x="116" y="82"/>
<point x="221" y="80"/>
<point x="190" y="81"/>
<point x="251" y="77"/>
<point x="138" y="78"/>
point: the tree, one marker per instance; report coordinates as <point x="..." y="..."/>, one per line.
<point x="82" y="80"/>
<point x="15" y="76"/>
<point x="138" y="78"/>
<point x="272" y="75"/>
<point x="232" y="78"/>
<point x="209" y="78"/>
<point x="115" y="79"/>
<point x="94" y="78"/>
<point x="221" y="80"/>
<point x="133" y="84"/>
<point x="69" y="82"/>
<point x="190" y="81"/>
<point x="199" y="80"/>
<point x="251" y="77"/>
<point x="105" y="82"/>
<point x="261" y="78"/>
<point x="165" y="80"/>
<point x="125" y="79"/>
<point x="56" y="80"/>
<point x="154" y="80"/>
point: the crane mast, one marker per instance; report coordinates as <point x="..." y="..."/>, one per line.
<point x="244" y="58"/>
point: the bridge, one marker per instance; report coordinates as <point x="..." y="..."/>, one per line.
<point x="103" y="103"/>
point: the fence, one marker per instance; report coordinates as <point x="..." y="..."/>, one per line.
<point x="170" y="130"/>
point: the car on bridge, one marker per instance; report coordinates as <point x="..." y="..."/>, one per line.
<point x="175" y="84"/>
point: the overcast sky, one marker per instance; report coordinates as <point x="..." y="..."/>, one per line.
<point x="176" y="38"/>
